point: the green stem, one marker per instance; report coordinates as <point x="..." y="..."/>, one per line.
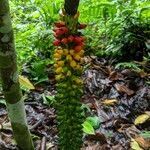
<point x="71" y="6"/>
<point x="10" y="83"/>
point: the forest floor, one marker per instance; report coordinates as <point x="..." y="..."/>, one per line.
<point x="117" y="97"/>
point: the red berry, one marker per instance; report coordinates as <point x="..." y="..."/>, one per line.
<point x="82" y="26"/>
<point x="59" y="32"/>
<point x="77" y="39"/>
<point x="78" y="48"/>
<point x="64" y="41"/>
<point x="60" y="24"/>
<point x="56" y="43"/>
<point x="81" y="44"/>
<point x="64" y="29"/>
<point x="70" y="38"/>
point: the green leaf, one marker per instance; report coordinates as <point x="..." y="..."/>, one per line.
<point x="48" y="99"/>
<point x="3" y="102"/>
<point x="134" y="145"/>
<point x="145" y="134"/>
<point x="26" y="83"/>
<point x="94" y="121"/>
<point x="88" y="128"/>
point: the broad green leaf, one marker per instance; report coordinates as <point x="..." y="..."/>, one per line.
<point x="87" y="128"/>
<point x="25" y="83"/>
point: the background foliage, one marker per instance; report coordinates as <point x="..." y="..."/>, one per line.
<point x="116" y="28"/>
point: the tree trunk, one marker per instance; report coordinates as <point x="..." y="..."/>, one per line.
<point x="10" y="83"/>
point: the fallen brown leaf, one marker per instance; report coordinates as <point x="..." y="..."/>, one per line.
<point x="123" y="89"/>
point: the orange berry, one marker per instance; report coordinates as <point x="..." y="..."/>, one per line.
<point x="57" y="55"/>
<point x="60" y="51"/>
<point x="78" y="48"/>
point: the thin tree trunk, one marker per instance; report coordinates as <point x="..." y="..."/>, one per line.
<point x="71" y="7"/>
<point x="10" y="83"/>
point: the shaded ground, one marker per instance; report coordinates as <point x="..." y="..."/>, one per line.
<point x="117" y="97"/>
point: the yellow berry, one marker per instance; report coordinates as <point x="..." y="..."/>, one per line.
<point x="60" y="51"/>
<point x="56" y="65"/>
<point x="60" y="63"/>
<point x="58" y="77"/>
<point x="78" y="81"/>
<point x="69" y="57"/>
<point x="57" y="56"/>
<point x="73" y="64"/>
<point x="79" y="67"/>
<point x="59" y="70"/>
<point x="65" y="51"/>
<point x="71" y="52"/>
<point x="81" y="53"/>
<point x="77" y="57"/>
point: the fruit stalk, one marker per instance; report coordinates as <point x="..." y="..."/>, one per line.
<point x="68" y="68"/>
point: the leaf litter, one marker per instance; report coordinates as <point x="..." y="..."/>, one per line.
<point x="119" y="98"/>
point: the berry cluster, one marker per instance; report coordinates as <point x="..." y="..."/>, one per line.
<point x="68" y="68"/>
<point x="65" y="39"/>
<point x="67" y="62"/>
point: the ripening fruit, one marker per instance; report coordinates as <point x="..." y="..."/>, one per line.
<point x="60" y="63"/>
<point x="64" y="29"/>
<point x="64" y="41"/>
<point x="78" y="67"/>
<point x="59" y="33"/>
<point x="60" y="51"/>
<point x="81" y="53"/>
<point x="59" y="24"/>
<point x="73" y="64"/>
<point x="77" y="57"/>
<point x="59" y="70"/>
<point x="57" y="56"/>
<point x="56" y="43"/>
<point x="66" y="52"/>
<point x="78" y="48"/>
<point x="69" y="73"/>
<point x="71" y="52"/>
<point x="70" y="38"/>
<point x="78" y="81"/>
<point x="58" y="77"/>
<point x="69" y="57"/>
<point x="77" y="39"/>
<point x="56" y="65"/>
